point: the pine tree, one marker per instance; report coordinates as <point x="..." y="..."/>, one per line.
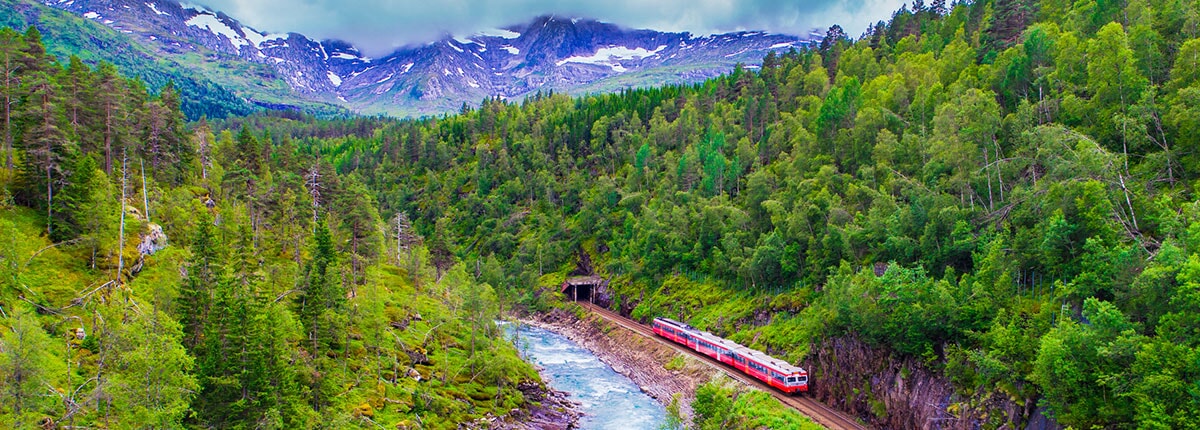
<point x="111" y="99"/>
<point x="1008" y="23"/>
<point x="320" y="291"/>
<point x="79" y="103"/>
<point x="240" y="365"/>
<point x="90" y="206"/>
<point x="321" y="301"/>
<point x="165" y="143"/>
<point x="247" y="153"/>
<point x="938" y="7"/>
<point x="358" y="221"/>
<point x="34" y="59"/>
<point x="204" y="271"/>
<point x="11" y="53"/>
<point x="48" y="153"/>
<point x="440" y="253"/>
<point x="831" y="48"/>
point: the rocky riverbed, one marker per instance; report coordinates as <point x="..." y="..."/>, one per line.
<point x="642" y="360"/>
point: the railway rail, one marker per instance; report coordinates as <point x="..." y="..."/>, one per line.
<point x="818" y="411"/>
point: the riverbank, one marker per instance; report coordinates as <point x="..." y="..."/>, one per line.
<point x="642" y="360"/>
<point x="551" y="410"/>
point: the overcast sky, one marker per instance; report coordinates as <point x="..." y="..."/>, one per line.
<point x="378" y="26"/>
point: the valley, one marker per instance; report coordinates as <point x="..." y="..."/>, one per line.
<point x="976" y="215"/>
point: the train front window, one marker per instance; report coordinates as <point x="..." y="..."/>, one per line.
<point x="791" y="380"/>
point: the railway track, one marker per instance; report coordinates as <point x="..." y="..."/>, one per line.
<point x="818" y="411"/>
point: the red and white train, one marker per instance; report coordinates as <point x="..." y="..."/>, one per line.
<point x="776" y="373"/>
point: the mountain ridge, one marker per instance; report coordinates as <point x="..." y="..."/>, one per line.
<point x="548" y="53"/>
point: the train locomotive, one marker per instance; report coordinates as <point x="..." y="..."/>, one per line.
<point x="776" y="373"/>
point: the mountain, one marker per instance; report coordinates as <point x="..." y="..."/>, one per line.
<point x="210" y="84"/>
<point x="547" y="54"/>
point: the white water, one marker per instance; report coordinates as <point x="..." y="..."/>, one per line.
<point x="608" y="400"/>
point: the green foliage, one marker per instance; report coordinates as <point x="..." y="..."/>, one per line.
<point x="151" y="382"/>
<point x="1078" y="366"/>
<point x="674" y="417"/>
<point x="999" y="164"/>
<point x="1003" y="193"/>
<point x="676" y="363"/>
<point x="721" y="404"/>
<point x="204" y="333"/>
<point x="27" y="367"/>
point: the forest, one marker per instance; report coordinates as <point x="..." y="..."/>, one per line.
<point x="158" y="274"/>
<point x="999" y="194"/>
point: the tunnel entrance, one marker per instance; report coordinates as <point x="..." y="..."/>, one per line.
<point x="582" y="289"/>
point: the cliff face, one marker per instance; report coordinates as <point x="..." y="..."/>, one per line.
<point x="852" y="376"/>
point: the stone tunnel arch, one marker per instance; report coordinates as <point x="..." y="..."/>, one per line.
<point x="583" y="288"/>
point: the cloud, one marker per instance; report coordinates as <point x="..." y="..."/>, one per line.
<point x="379" y="26"/>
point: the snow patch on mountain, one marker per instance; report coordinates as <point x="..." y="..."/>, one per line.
<point x="334" y="78"/>
<point x="611" y="57"/>
<point x="511" y="50"/>
<point x="91" y="15"/>
<point x="499" y="32"/>
<point x="193" y="6"/>
<point x="257" y="38"/>
<point x="211" y="23"/>
<point x="154" y="8"/>
<point x="352" y="57"/>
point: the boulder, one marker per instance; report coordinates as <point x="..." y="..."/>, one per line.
<point x="153" y="240"/>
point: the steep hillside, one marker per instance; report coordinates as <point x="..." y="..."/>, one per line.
<point x="144" y="284"/>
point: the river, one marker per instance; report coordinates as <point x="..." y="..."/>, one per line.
<point x="608" y="400"/>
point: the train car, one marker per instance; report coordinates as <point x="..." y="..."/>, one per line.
<point x="776" y="373"/>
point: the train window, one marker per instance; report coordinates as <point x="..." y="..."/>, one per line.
<point x="803" y="379"/>
<point x="792" y="379"/>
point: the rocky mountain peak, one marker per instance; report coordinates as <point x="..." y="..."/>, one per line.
<point x="548" y="53"/>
